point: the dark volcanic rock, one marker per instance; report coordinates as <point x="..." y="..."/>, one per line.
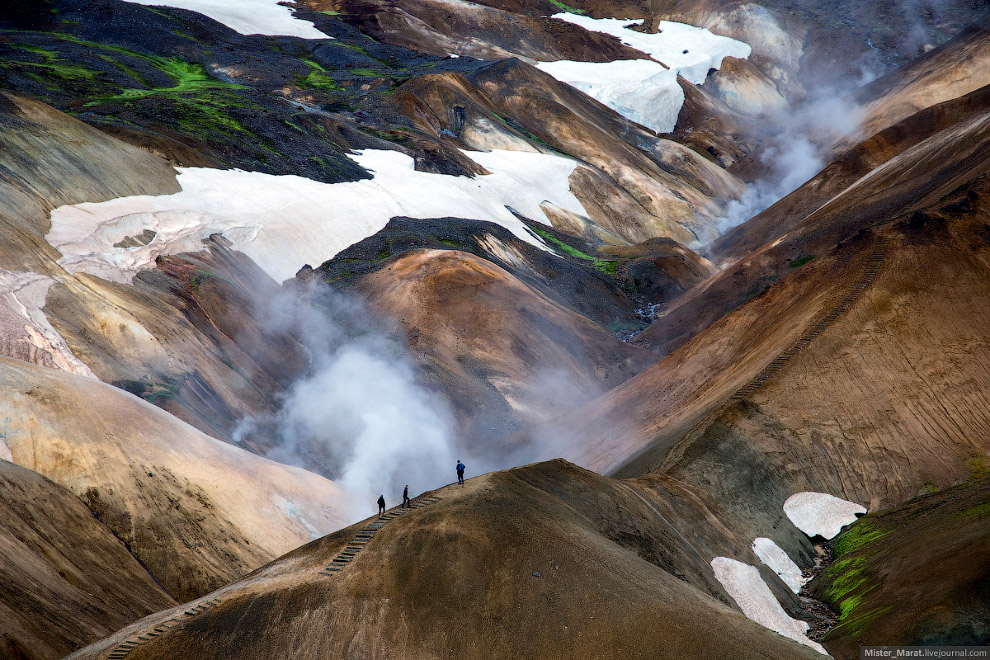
<point x="199" y="93"/>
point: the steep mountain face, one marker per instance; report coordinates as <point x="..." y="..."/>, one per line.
<point x="59" y="589"/>
<point x="737" y="347"/>
<point x="828" y="211"/>
<point x="196" y="511"/>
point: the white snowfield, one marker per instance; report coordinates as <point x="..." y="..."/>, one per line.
<point x="779" y="562"/>
<point x="642" y="90"/>
<point x="22" y="299"/>
<point x="247" y="16"/>
<point x="821" y="514"/>
<point x="284" y="222"/>
<point x="746" y="586"/>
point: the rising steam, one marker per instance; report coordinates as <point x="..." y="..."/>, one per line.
<point x="798" y="148"/>
<point x="361" y="407"/>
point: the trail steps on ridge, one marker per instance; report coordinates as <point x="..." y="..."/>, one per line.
<point x="873" y="264"/>
<point x="121" y="650"/>
<point x="366" y="533"/>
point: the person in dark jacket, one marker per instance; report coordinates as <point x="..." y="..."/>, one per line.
<point x="381" y="505"/>
<point x="405" y="497"/>
<point x="460" y="472"/>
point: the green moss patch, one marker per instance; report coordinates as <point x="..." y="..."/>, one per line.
<point x="849" y="578"/>
<point x="979" y="468"/>
<point x="857" y="535"/>
<point x="607" y="266"/>
<point x="563" y="7"/>
<point x="317" y="78"/>
<point x="50" y="64"/>
<point x="189" y="78"/>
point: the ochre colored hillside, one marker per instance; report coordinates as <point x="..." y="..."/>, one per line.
<point x="543" y="561"/>
<point x="67" y="580"/>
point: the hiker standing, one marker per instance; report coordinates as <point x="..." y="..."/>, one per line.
<point x="405" y="497"/>
<point x="381" y="505"/>
<point x="460" y="472"/>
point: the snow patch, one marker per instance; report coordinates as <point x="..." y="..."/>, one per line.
<point x="642" y="91"/>
<point x="821" y="514"/>
<point x="284" y="222"/>
<point x="247" y="16"/>
<point x="25" y="332"/>
<point x="689" y="51"/>
<point x="746" y="586"/>
<point x="779" y="562"/>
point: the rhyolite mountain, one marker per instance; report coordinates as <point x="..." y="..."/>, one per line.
<point x="679" y="414"/>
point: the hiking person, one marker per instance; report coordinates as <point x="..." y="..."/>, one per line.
<point x="405" y="497"/>
<point x="381" y="505"/>
<point x="460" y="472"/>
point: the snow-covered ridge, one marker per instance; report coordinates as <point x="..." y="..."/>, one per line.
<point x="821" y="514"/>
<point x="247" y="16"/>
<point x="642" y="90"/>
<point x="689" y="51"/>
<point x="284" y="222"/>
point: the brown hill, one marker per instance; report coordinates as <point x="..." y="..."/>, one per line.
<point x="67" y="580"/>
<point x="544" y="561"/>
<point x="506" y="354"/>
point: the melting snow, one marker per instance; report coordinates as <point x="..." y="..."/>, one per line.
<point x="284" y="222"/>
<point x="22" y="321"/>
<point x="777" y="560"/>
<point x="247" y="16"/>
<point x="643" y="90"/>
<point x="820" y="514"/>
<point x="687" y="50"/>
<point x="640" y="90"/>
<point x="746" y="586"/>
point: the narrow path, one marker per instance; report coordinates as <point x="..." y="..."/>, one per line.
<point x="121" y="650"/>
<point x="873" y="265"/>
<point x="366" y="533"/>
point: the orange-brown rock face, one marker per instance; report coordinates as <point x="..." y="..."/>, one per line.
<point x="639" y="187"/>
<point x="505" y="353"/>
